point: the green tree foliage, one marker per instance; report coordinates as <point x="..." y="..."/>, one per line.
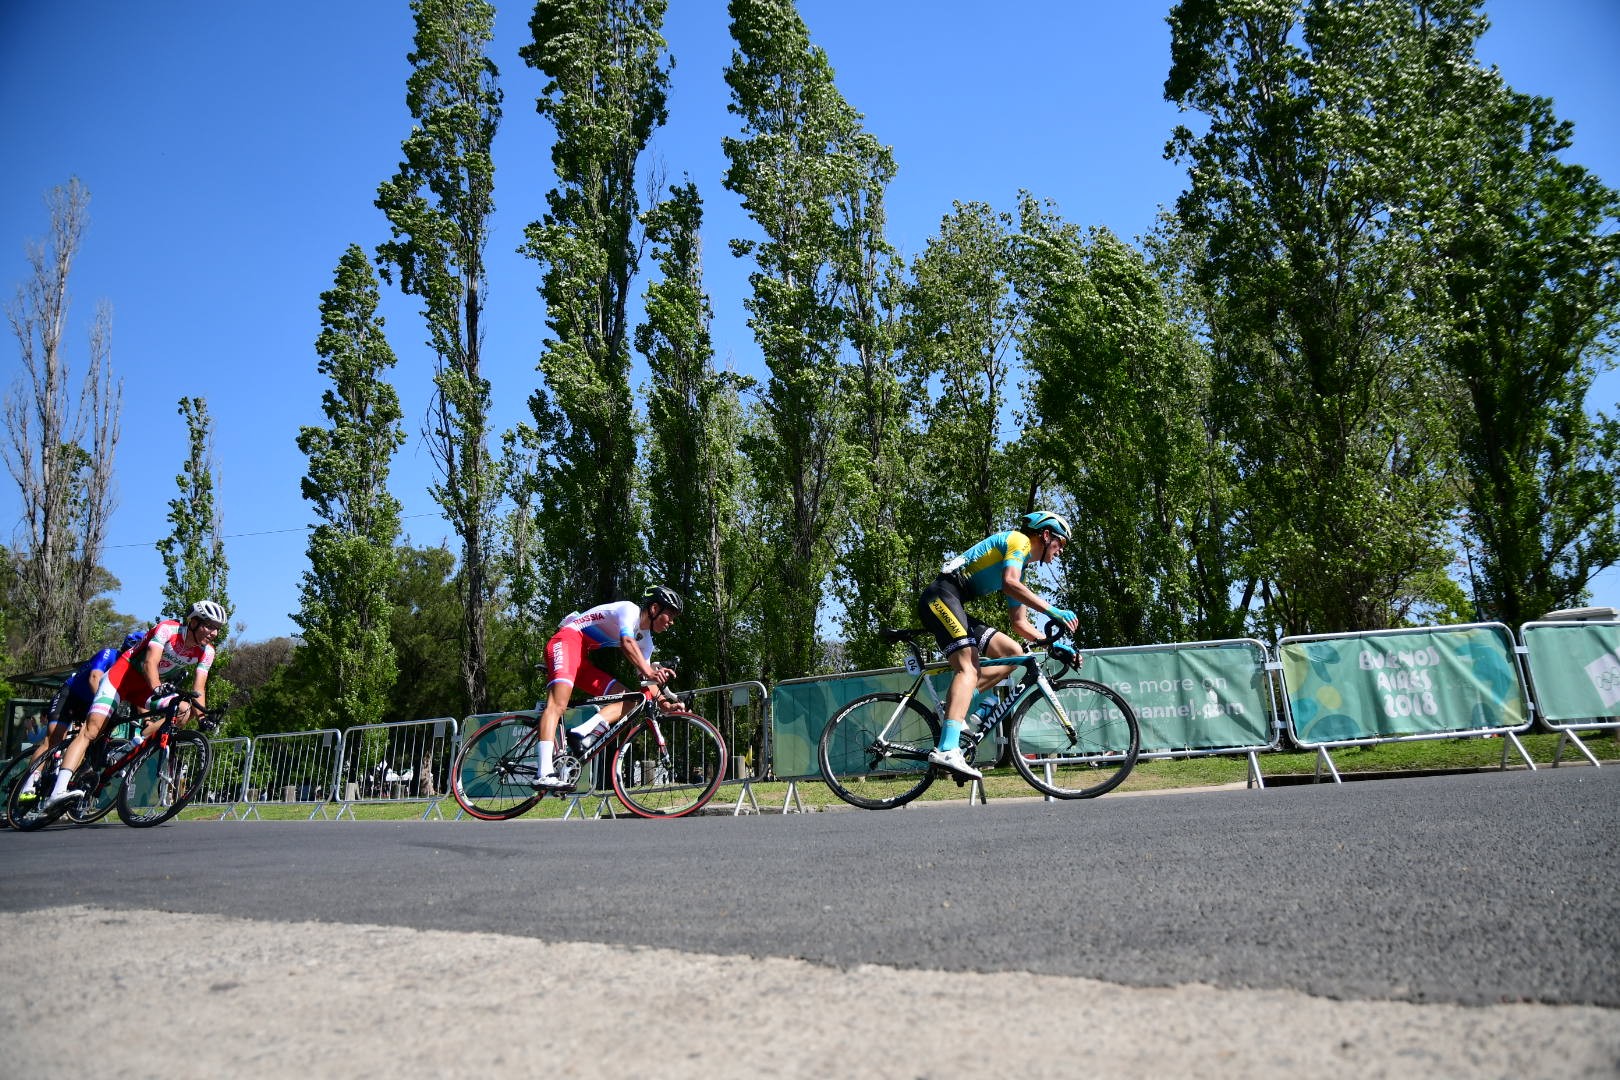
<point x="194" y="551"/>
<point x="439" y="205"/>
<point x="1319" y="116"/>
<point x="1525" y="250"/>
<point x="607" y="77"/>
<point x="964" y="318"/>
<point x="344" y="610"/>
<point x="697" y="540"/>
<point x="812" y="179"/>
<point x="424" y="600"/>
<point x="1121" y="392"/>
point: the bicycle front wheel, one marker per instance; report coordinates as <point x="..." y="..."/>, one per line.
<point x="1096" y="759"/>
<point x="491" y="775"/>
<point x="15" y="768"/>
<point x="673" y="779"/>
<point x="164" y="779"/>
<point x="874" y="751"/>
<point x="25" y="804"/>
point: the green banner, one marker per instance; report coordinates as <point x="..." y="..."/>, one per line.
<point x="800" y="710"/>
<point x="1394" y="683"/>
<point x="1575" y="670"/>
<point x="1191" y="697"/>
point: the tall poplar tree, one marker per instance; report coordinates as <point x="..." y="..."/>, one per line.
<point x="1525" y="299"/>
<point x="438" y="205"/>
<point x="964" y="317"/>
<point x="59" y="453"/>
<point x="345" y="613"/>
<point x="1121" y="393"/>
<point x="699" y="542"/>
<point x="193" y="553"/>
<point x="607" y="74"/>
<point x="1320" y="117"/>
<point x="811" y="178"/>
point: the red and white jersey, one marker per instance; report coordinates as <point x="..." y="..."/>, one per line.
<point x="603" y="625"/>
<point x="177" y="652"/>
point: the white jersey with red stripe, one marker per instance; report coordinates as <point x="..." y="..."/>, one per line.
<point x="603" y="625"/>
<point x="177" y="652"/>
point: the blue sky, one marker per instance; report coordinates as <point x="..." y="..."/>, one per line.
<point x="233" y="150"/>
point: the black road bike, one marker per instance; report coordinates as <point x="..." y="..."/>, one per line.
<point x="1070" y="738"/>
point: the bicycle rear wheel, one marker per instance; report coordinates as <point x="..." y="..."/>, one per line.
<point x="876" y="775"/>
<point x="1098" y="758"/>
<point x="491" y="775"/>
<point x="675" y="779"/>
<point x="98" y="803"/>
<point x="166" y="778"/>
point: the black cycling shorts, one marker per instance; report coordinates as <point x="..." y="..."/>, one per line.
<point x="940" y="609"/>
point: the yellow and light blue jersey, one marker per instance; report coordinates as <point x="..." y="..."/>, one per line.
<point x="982" y="566"/>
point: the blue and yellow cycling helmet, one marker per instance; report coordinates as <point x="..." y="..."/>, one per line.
<point x="1036" y="520"/>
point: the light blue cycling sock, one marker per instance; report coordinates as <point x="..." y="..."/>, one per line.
<point x="950" y="734"/>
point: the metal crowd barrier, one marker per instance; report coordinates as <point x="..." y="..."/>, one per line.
<point x="1574" y="668"/>
<point x="407" y="761"/>
<point x="1407" y="685"/>
<point x="227" y="783"/>
<point x="743" y="706"/>
<point x="1197" y="699"/>
<point x="297" y="768"/>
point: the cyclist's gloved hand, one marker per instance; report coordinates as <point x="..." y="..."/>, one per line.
<point x="1064" y="616"/>
<point x="163" y="690"/>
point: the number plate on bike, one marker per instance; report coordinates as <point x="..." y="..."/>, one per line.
<point x="913" y="666"/>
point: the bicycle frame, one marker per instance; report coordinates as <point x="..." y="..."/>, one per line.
<point x="1034" y="681"/>
<point x="158" y="740"/>
<point x="640" y="703"/>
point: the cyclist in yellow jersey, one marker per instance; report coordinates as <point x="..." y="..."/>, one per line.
<point x="994" y="564"/>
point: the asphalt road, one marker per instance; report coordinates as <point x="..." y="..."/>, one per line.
<point x="1470" y="891"/>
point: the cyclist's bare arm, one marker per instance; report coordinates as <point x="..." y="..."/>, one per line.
<point x="1012" y="584"/>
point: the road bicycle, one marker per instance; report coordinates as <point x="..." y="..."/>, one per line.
<point x="148" y="784"/>
<point x="1070" y="738"/>
<point x="661" y="764"/>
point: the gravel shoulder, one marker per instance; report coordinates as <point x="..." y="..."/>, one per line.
<point x="193" y="995"/>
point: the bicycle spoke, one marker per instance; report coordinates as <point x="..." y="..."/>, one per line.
<point x="672" y="778"/>
<point x="1090" y="754"/>
<point x="166" y="778"/>
<point x="872" y="753"/>
<point x="491" y="776"/>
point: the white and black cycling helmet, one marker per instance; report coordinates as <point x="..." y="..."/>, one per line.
<point x="1036" y="520"/>
<point x="667" y="598"/>
<point x="208" y="612"/>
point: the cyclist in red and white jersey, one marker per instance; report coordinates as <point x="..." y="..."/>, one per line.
<point x="622" y="625"/>
<point x="139" y="677"/>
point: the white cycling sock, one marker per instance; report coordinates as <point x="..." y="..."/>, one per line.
<point x="590" y="727"/>
<point x="62" y="779"/>
<point x="542" y="758"/>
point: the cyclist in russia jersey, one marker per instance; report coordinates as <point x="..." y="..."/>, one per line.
<point x="72" y="701"/>
<point x="984" y="565"/>
<point x="621" y="624"/>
